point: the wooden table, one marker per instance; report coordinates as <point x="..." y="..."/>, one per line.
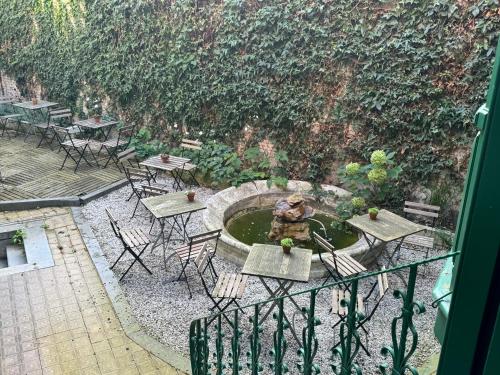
<point x="174" y="165"/>
<point x="172" y="206"/>
<point x="42" y="104"/>
<point x="31" y="109"/>
<point x="269" y="262"/>
<point x="388" y="227"/>
<point x="93" y="126"/>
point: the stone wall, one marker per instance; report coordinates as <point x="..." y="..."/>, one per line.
<point x="8" y="86"/>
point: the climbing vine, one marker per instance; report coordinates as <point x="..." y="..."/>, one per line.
<point x="329" y="80"/>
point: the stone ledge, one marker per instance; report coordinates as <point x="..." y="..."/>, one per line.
<point x="228" y="202"/>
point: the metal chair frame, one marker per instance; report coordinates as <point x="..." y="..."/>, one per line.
<point x="69" y="144"/>
<point x="383" y="287"/>
<point x="198" y="239"/>
<point x="202" y="262"/>
<point x="136" y="255"/>
<point x="114" y="148"/>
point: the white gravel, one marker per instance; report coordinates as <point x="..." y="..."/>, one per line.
<point x="163" y="307"/>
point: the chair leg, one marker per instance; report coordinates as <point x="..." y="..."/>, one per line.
<point x="116" y="261"/>
<point x="137" y="259"/>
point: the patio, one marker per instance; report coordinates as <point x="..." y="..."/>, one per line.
<point x="34" y="173"/>
<point x="163" y="307"/>
<point x="59" y="320"/>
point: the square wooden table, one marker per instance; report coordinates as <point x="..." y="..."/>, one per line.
<point x="269" y="262"/>
<point x="93" y="126"/>
<point x="388" y="227"/>
<point x="174" y="166"/>
<point x="34" y="111"/>
<point x="172" y="206"/>
<point x="42" y="104"/>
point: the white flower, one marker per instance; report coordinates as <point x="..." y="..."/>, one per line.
<point x="200" y="133"/>
<point x="175" y="125"/>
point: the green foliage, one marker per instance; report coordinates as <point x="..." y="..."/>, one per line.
<point x="370" y="184"/>
<point x="287" y="242"/>
<point x="145" y="146"/>
<point x="403" y="75"/>
<point x="18" y="237"/>
<point x="373" y="210"/>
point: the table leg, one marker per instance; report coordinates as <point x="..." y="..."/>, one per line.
<point x="176" y="185"/>
<point x="281" y="291"/>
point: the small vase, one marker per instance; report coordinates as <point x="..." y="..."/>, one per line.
<point x="164" y="158"/>
<point x="34" y="101"/>
<point x="372" y="216"/>
<point x="97" y="119"/>
<point x="286" y="249"/>
<point x="190" y="197"/>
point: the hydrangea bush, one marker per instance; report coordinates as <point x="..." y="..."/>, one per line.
<point x="370" y="185"/>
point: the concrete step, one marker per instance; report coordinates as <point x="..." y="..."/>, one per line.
<point x="15" y="255"/>
<point x="3" y="263"/>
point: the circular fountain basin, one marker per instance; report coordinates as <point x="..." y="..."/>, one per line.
<point x="233" y="202"/>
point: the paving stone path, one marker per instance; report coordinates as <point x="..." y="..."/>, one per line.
<point x="59" y="320"/>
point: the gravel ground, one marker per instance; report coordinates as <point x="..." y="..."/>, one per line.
<point x="163" y="307"/>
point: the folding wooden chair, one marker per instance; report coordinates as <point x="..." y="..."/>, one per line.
<point x="188" y="144"/>
<point x="153" y="190"/>
<point x="190" y="251"/>
<point x="339" y="266"/>
<point x="136" y="178"/>
<point x="365" y="307"/>
<point x="75" y="148"/>
<point x="425" y="214"/>
<point x="229" y="287"/>
<point x="114" y="146"/>
<point x="56" y="117"/>
<point x="127" y="157"/>
<point x="134" y="241"/>
<point x="193" y="145"/>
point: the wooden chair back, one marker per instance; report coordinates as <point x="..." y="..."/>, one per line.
<point x="324" y="244"/>
<point x="114" y="223"/>
<point x="127" y="132"/>
<point x="136" y="174"/>
<point x="191" y="144"/>
<point x="202" y="259"/>
<point x="127" y="155"/>
<point x="154" y="191"/>
<point x="205" y="237"/>
<point x="424" y="211"/>
<point x="62" y="134"/>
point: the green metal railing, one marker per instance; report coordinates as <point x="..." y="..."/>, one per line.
<point x="248" y="345"/>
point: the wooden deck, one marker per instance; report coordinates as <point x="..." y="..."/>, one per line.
<point x="31" y="172"/>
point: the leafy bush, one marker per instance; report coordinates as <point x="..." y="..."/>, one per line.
<point x="145" y="146"/>
<point x="370" y="184"/>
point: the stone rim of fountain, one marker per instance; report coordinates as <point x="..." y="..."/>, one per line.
<point x="228" y="202"/>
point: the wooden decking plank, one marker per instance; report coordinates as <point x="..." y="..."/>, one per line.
<point x="32" y="172"/>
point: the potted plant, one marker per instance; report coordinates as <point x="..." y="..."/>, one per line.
<point x="34" y="101"/>
<point x="190" y="195"/>
<point x="164" y="158"/>
<point x="373" y="212"/>
<point x="286" y="244"/>
<point x="94" y="108"/>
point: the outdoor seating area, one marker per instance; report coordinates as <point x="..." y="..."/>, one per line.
<point x="260" y="187"/>
<point x="172" y="272"/>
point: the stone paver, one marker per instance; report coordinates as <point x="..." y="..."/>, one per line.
<point x="59" y="320"/>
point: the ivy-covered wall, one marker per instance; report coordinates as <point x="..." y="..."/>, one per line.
<point x="330" y="80"/>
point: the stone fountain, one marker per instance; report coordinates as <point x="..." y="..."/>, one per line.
<point x="289" y="219"/>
